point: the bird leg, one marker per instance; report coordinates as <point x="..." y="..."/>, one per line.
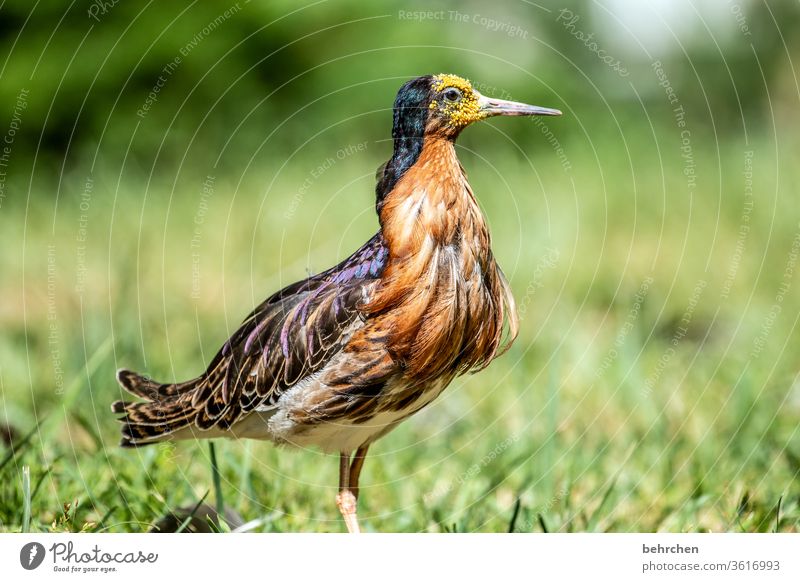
<point x="355" y="468"/>
<point x="345" y="499"/>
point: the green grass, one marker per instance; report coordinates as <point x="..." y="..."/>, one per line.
<point x="608" y="414"/>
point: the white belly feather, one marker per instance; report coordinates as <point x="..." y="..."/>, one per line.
<point x="275" y="423"/>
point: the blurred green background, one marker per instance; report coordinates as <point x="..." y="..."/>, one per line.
<point x="164" y="167"/>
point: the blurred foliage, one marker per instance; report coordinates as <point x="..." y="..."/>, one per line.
<point x="274" y="74"/>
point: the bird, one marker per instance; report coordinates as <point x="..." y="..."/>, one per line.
<point x="339" y="359"/>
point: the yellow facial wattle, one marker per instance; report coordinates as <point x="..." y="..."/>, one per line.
<point x="463" y="112"/>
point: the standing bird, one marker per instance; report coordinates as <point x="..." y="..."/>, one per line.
<point x="340" y="359"/>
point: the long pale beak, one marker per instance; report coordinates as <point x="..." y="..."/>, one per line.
<point x="490" y="107"/>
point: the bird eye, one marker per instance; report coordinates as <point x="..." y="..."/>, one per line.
<point x="452" y="95"/>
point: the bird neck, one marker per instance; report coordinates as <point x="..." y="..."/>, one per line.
<point x="432" y="204"/>
<point x="406" y="153"/>
<point x="441" y="293"/>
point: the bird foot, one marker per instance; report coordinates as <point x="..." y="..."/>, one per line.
<point x="346" y="502"/>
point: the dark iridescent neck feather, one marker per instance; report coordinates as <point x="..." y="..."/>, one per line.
<point x="411" y="109"/>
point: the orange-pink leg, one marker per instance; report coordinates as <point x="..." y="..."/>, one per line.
<point x="355" y="468"/>
<point x="347" y="498"/>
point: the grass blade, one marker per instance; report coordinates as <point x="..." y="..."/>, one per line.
<point x="512" y="524"/>
<point x="185" y="523"/>
<point x="542" y="523"/>
<point x="594" y="519"/>
<point x="245" y="469"/>
<point x="81" y="381"/>
<point x="26" y="499"/>
<point x="217" y="479"/>
<point x="19" y="447"/>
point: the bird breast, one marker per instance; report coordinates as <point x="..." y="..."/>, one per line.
<point x="442" y="291"/>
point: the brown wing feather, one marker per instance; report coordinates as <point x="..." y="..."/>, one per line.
<point x="289" y="337"/>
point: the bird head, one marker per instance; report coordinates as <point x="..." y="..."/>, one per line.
<point x="442" y="105"/>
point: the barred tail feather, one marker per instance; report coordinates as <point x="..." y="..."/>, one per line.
<point x="158" y="419"/>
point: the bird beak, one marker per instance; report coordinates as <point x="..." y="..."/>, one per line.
<point x="490" y="107"/>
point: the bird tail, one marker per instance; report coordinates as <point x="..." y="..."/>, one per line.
<point x="162" y="415"/>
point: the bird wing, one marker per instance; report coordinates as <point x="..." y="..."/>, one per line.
<point x="288" y="338"/>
